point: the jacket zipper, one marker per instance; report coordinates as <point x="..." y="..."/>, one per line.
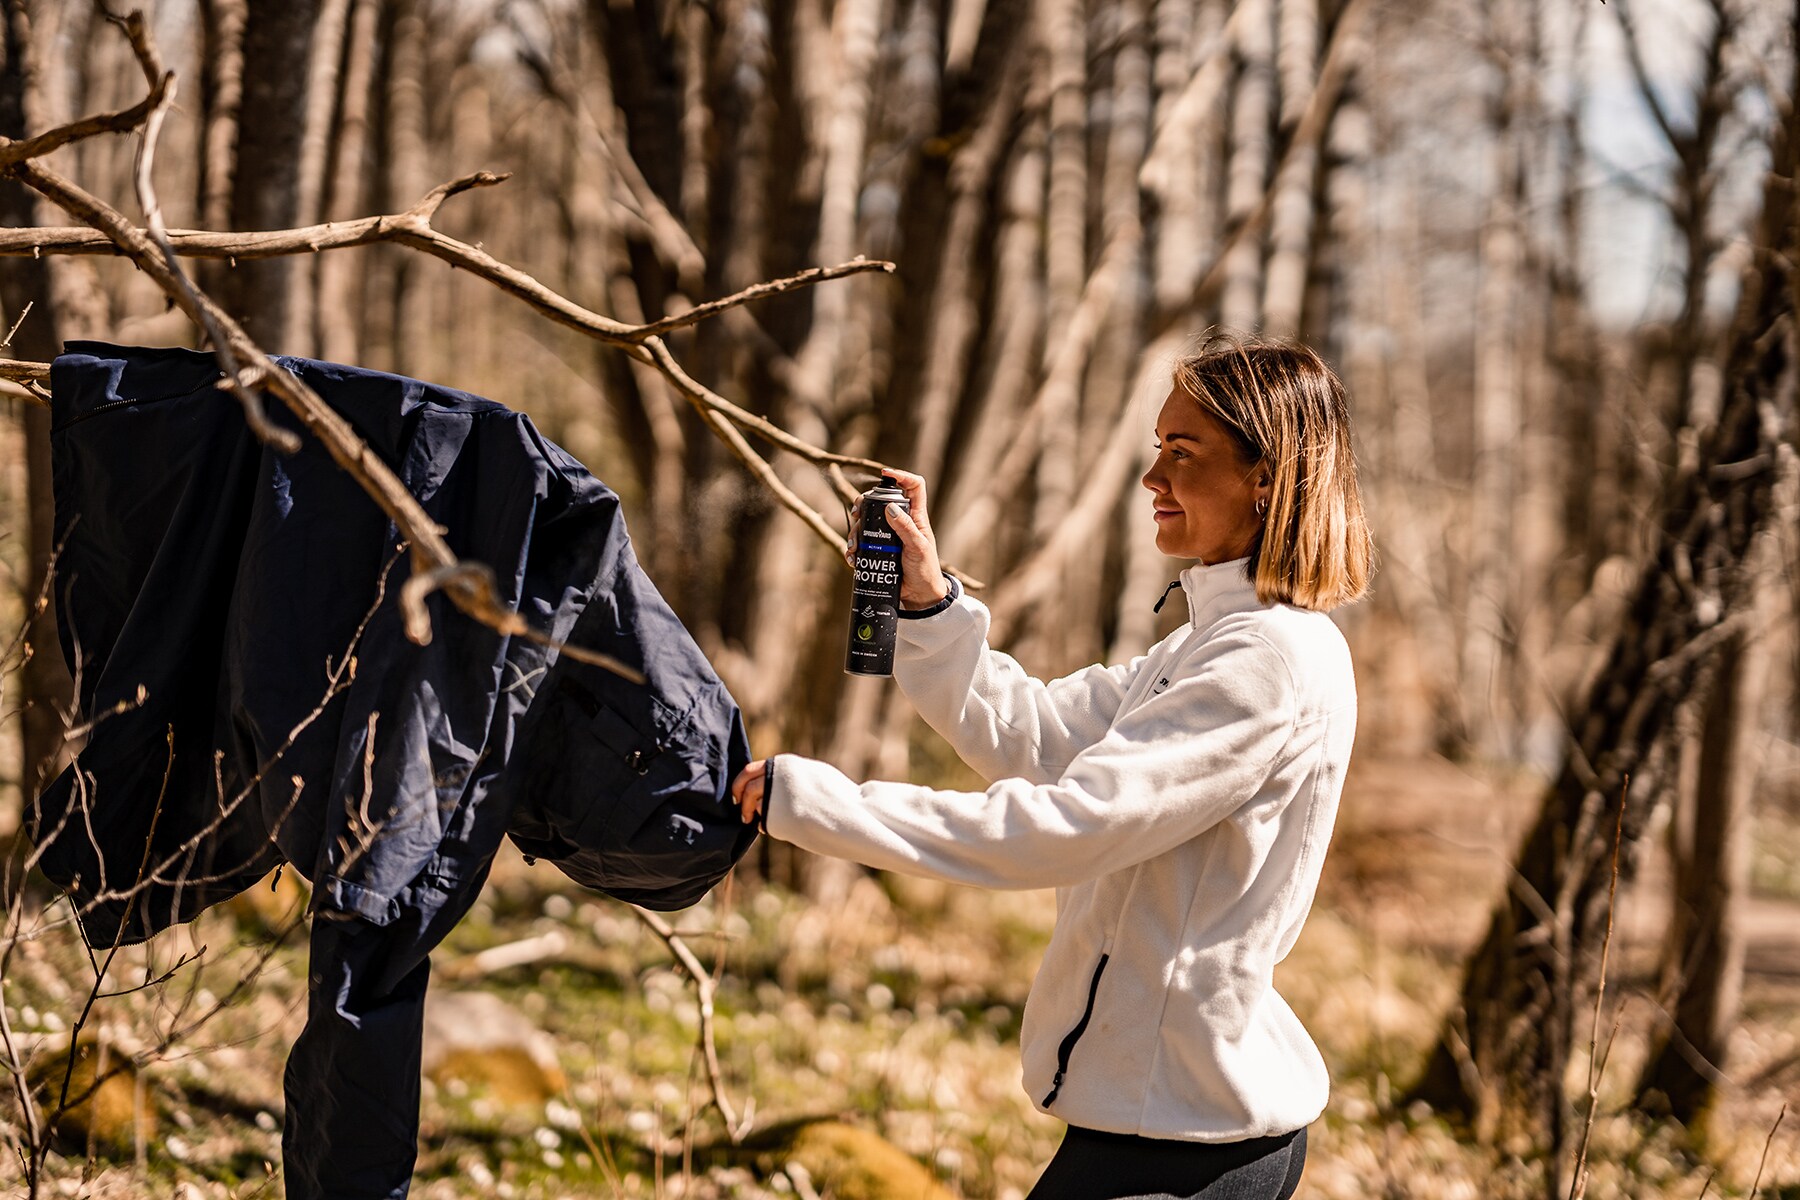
<point x="1068" y="1043"/>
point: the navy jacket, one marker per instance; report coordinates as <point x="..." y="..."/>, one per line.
<point x="231" y="616"/>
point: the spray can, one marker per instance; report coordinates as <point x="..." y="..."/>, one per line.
<point x="875" y="596"/>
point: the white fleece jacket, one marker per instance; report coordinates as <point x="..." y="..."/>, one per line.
<point x="1180" y="804"/>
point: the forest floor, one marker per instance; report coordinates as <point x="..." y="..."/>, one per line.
<point x="894" y="1009"/>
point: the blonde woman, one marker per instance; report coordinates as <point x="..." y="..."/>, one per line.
<point x="1180" y="803"/>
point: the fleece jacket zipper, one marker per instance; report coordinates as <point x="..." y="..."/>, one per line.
<point x="1068" y="1043"/>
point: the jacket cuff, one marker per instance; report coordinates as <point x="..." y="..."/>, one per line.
<point x="814" y="797"/>
<point x="768" y="797"/>
<point x="950" y="597"/>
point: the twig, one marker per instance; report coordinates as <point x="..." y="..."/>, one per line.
<point x="1597" y="1062"/>
<point x="156" y="250"/>
<point x="1764" y="1160"/>
<point x="12" y="152"/>
<point x="23" y="313"/>
<point x="703" y="984"/>
<point x="240" y="382"/>
<point x="700" y="312"/>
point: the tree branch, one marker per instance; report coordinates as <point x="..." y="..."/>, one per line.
<point x="703" y="984"/>
<point x="156" y="251"/>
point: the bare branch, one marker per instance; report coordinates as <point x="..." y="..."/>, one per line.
<point x="13" y="332"/>
<point x="271" y="243"/>
<point x="30" y="377"/>
<point x="703" y="984"/>
<point x="119" y="122"/>
<point x="248" y="369"/>
<point x="1764" y="1160"/>
<point x="756" y="292"/>
<point x="1641" y="74"/>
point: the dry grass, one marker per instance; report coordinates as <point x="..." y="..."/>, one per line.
<point x="898" y="1007"/>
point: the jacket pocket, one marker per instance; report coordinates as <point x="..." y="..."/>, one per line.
<point x="1074" y="1035"/>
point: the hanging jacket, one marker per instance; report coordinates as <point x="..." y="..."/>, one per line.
<point x="231" y="616"/>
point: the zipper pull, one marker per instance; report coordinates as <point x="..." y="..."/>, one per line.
<point x="1165" y="596"/>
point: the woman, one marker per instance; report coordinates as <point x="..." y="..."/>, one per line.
<point x="1180" y="803"/>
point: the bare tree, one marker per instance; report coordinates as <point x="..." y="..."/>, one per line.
<point x="1504" y="1046"/>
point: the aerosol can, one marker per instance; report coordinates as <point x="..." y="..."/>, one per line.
<point x="875" y="596"/>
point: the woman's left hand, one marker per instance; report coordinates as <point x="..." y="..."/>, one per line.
<point x="747" y="790"/>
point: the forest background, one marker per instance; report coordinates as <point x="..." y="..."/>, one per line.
<point x="1550" y="248"/>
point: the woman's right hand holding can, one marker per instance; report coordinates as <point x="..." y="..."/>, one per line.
<point x="921" y="574"/>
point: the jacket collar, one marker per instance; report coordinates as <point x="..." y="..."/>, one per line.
<point x="1213" y="591"/>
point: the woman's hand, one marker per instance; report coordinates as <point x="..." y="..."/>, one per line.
<point x="921" y="574"/>
<point x="747" y="790"/>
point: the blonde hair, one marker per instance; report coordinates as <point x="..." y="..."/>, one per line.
<point x="1287" y="410"/>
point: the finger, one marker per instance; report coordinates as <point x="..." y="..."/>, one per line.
<point x="914" y="487"/>
<point x="911" y="536"/>
<point x="855" y="534"/>
<point x="745" y="777"/>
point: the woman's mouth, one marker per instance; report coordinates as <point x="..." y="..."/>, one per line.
<point x="1167" y="514"/>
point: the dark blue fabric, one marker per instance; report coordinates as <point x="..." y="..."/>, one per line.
<point x="207" y="586"/>
<point x="231" y="616"/>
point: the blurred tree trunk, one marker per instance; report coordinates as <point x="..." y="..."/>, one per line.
<point x="406" y="125"/>
<point x="45" y="685"/>
<point x="324" y="77"/>
<point x="1704" y="958"/>
<point x="339" y="306"/>
<point x="1505" y="1046"/>
<point x="221" y="71"/>
<point x="265" y="189"/>
<point x="1253" y="108"/>
<point x="1063" y="26"/>
<point x="1296" y="193"/>
<point x="1489" y="612"/>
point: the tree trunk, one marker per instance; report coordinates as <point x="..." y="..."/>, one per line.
<point x="1706" y="943"/>
<point x="45" y="685"/>
<point x="221" y="70"/>
<point x="1252" y="110"/>
<point x="1291" y="219"/>
<point x="1506" y="1044"/>
<point x="1489" y="724"/>
<point x="339" y="325"/>
<point x="278" y="35"/>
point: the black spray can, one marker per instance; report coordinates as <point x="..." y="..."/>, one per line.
<point x="875" y="597"/>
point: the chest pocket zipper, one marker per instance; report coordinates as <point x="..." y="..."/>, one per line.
<point x="1068" y="1043"/>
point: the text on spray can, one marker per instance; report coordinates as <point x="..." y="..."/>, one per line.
<point x="875" y="596"/>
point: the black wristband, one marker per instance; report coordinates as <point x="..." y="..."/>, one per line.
<point x="954" y="590"/>
<point x="762" y="810"/>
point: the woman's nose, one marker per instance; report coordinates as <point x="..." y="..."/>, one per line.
<point x="1153" y="481"/>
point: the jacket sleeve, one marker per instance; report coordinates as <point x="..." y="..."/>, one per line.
<point x="1169" y="770"/>
<point x="1000" y="720"/>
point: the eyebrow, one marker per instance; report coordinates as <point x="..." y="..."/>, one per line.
<point x="1176" y="437"/>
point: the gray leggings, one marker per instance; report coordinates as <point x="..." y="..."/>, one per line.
<point x="1090" y="1165"/>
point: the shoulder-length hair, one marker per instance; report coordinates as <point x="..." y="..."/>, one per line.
<point x="1287" y="410"/>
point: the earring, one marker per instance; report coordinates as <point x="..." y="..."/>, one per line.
<point x="1262" y="507"/>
